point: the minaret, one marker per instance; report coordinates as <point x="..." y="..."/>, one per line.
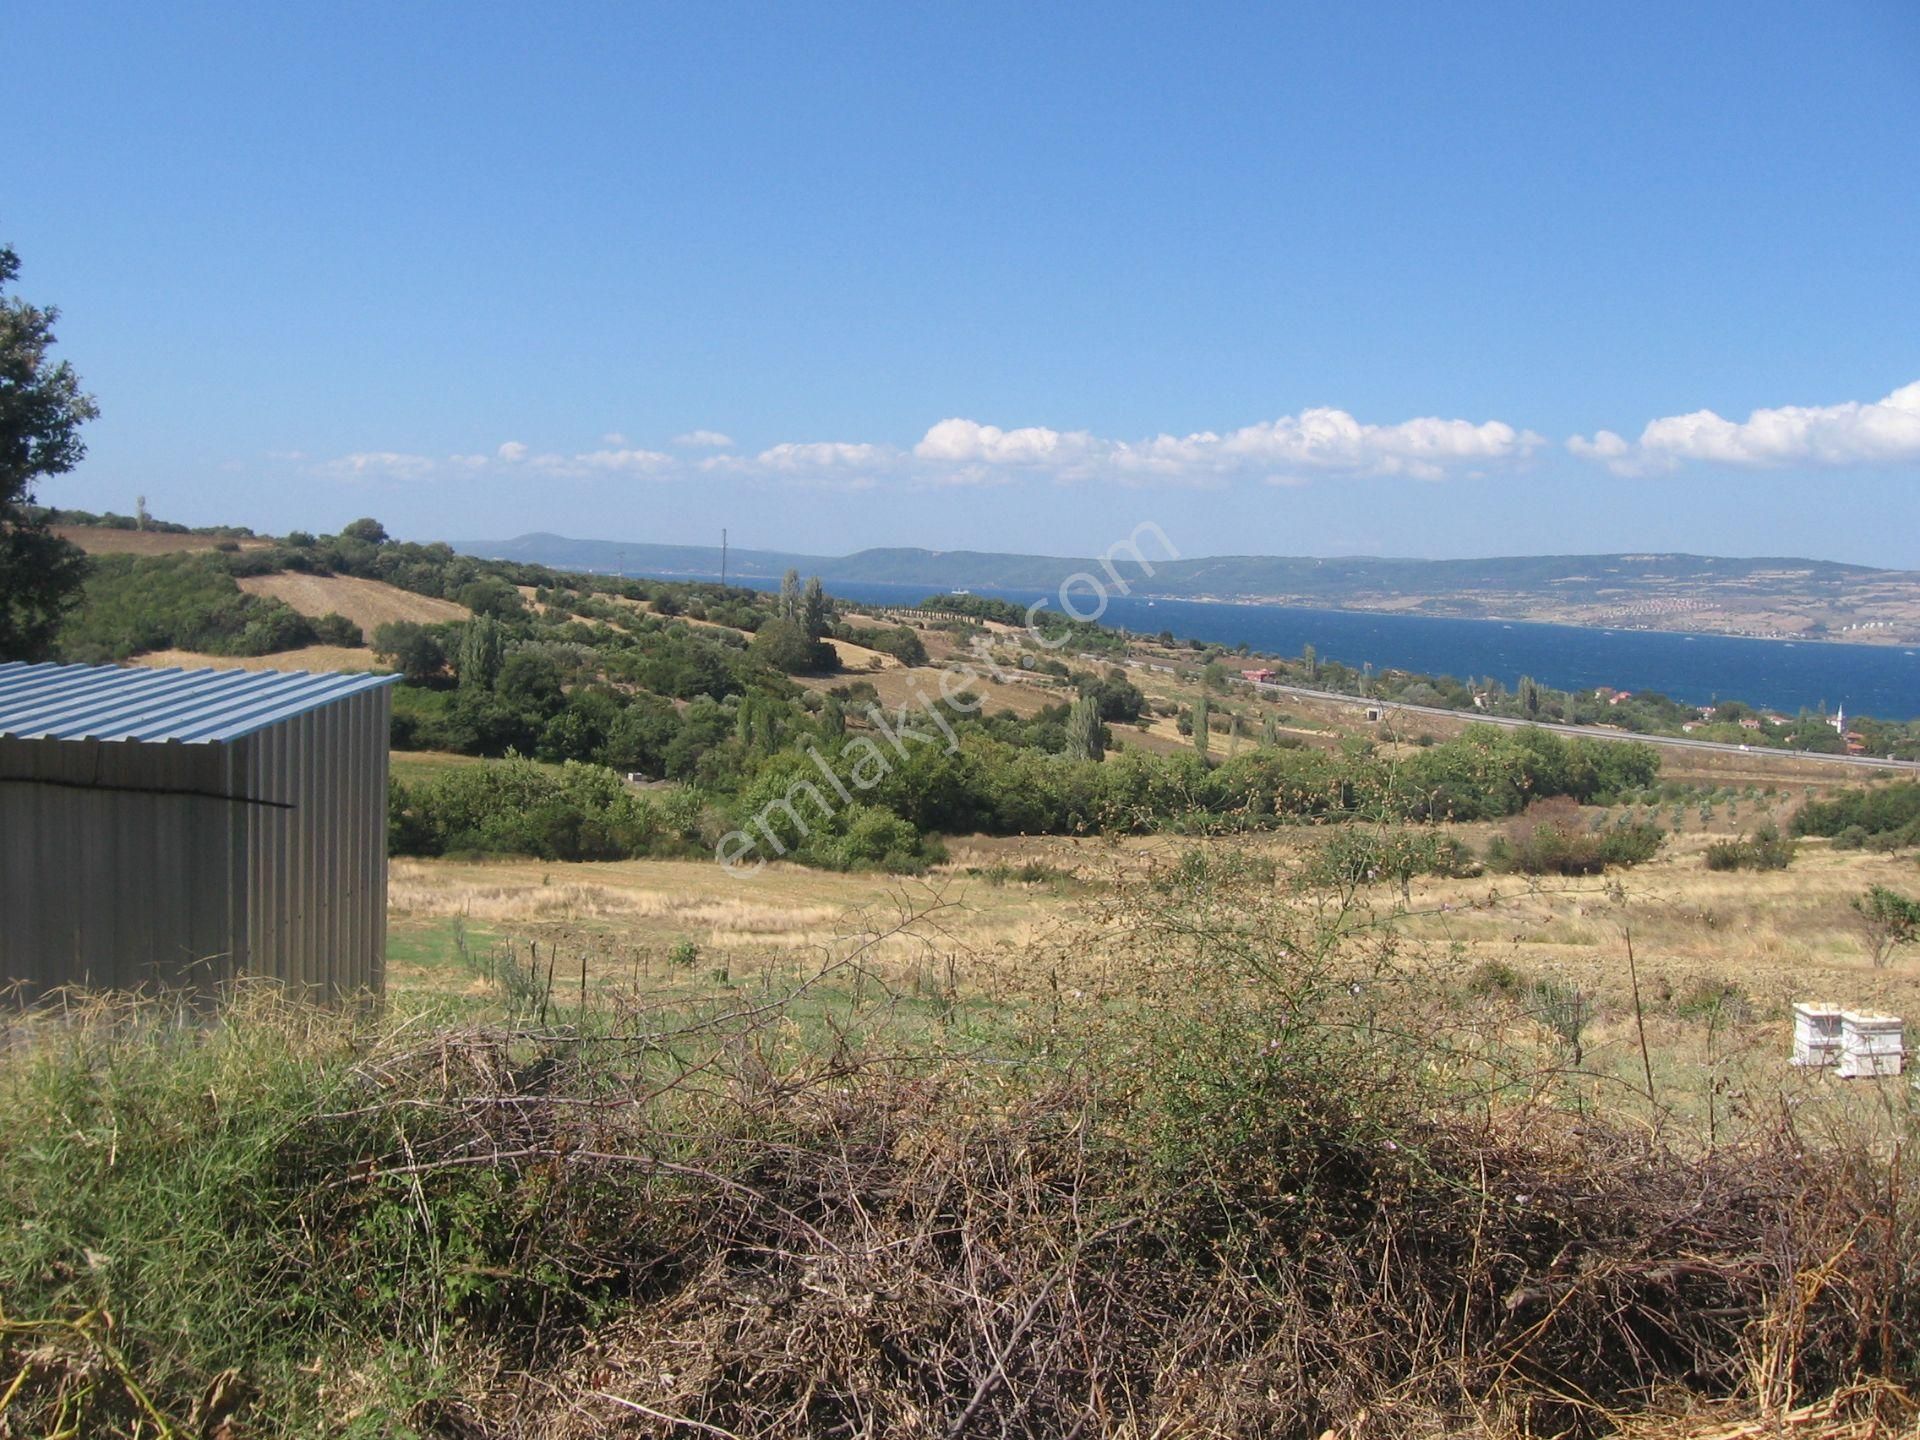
<point x="1840" y="719"/>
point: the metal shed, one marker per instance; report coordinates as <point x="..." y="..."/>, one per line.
<point x="182" y="828"/>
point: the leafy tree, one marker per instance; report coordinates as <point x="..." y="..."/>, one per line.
<point x="366" y="529"/>
<point x="1887" y="920"/>
<point x="482" y="649"/>
<point x="492" y="596"/>
<point x="412" y="648"/>
<point x="333" y="628"/>
<point x="1086" y="736"/>
<point x="1529" y="696"/>
<point x="529" y="680"/>
<point x="785" y="645"/>
<point x="1202" y="725"/>
<point x="1310" y="662"/>
<point x="902" y="642"/>
<point x="1116" y="696"/>
<point x="790" y="596"/>
<point x="41" y="411"/>
<point x="816" y="612"/>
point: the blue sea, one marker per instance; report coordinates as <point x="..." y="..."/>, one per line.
<point x="1878" y="680"/>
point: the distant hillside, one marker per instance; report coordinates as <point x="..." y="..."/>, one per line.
<point x="620" y="557"/>
<point x="1776" y="596"/>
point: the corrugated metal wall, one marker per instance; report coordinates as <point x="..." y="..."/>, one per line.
<point x="146" y="865"/>
<point x="316" y="887"/>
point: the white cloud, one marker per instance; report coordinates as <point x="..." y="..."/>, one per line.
<point x="969" y="442"/>
<point x="1318" y="441"/>
<point x="1853" y="433"/>
<point x="615" y="439"/>
<point x="382" y="465"/>
<point x="606" y="462"/>
<point x="825" y="455"/>
<point x="1332" y="442"/>
<point x="960" y="452"/>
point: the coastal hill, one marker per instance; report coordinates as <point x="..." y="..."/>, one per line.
<point x="1771" y="596"/>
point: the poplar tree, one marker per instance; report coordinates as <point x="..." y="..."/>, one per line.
<point x="483" y="648"/>
<point x="1086" y="738"/>
<point x="815" y="613"/>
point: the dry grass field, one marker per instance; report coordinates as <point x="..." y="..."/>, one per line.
<point x="368" y="603"/>
<point x="1717" y="957"/>
<point x="1779" y="935"/>
<point x="104" y="540"/>
<point x="304" y="657"/>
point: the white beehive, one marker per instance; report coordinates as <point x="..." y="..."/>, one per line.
<point x="1871" y="1045"/>
<point x="1816" y="1034"/>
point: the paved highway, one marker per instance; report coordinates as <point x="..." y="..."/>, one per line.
<point x="1590" y="732"/>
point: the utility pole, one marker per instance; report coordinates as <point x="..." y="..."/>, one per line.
<point x="723" y="554"/>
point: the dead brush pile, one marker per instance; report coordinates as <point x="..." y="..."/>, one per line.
<point x="1216" y="1189"/>
<point x="885" y="1255"/>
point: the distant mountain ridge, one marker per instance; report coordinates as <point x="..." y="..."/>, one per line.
<point x="1763" y="595"/>
<point x="1228" y="576"/>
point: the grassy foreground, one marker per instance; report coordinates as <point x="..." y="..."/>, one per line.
<point x="1251" y="1165"/>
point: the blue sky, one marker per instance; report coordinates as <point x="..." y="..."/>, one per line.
<point x="1301" y="279"/>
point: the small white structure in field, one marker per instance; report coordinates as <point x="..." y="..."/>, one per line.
<point x="1816" y="1034"/>
<point x="1871" y="1045"/>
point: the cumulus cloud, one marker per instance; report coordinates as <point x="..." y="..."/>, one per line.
<point x="1325" y="441"/>
<point x="606" y="462"/>
<point x="1852" y="433"/>
<point x="825" y="455"/>
<point x="1318" y="441"/>
<point x="957" y="451"/>
<point x="382" y="465"/>
<point x="968" y="442"/>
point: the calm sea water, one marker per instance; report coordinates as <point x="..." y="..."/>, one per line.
<point x="1882" y="681"/>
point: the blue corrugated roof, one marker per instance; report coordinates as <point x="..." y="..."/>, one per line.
<point x="194" y="707"/>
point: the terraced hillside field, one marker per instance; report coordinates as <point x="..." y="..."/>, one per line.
<point x="368" y="603"/>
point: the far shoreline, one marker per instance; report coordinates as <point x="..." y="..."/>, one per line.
<point x="1891" y="641"/>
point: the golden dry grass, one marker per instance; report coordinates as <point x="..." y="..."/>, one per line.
<point x="860" y="658"/>
<point x="1779" y="935"/>
<point x="367" y="603"/>
<point x="305" y="657"/>
<point x="786" y="915"/>
<point x="1760" y="940"/>
<point x="103" y="540"/>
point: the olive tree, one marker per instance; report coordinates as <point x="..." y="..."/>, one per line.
<point x="42" y="408"/>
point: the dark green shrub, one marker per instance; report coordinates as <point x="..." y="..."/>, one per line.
<point x="1549" y="840"/>
<point x="1876" y="810"/>
<point x="334" y="628"/>
<point x="1765" y="849"/>
<point x="516" y="807"/>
